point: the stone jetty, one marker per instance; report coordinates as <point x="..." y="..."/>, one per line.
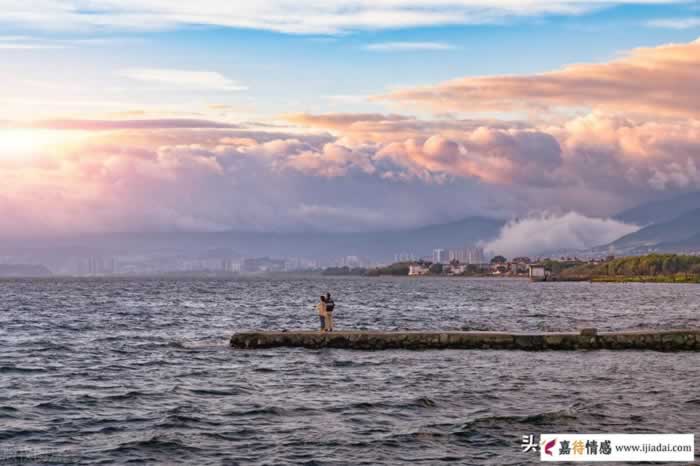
<point x="586" y="339"/>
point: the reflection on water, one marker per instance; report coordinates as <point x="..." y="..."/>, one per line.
<point x="118" y="371"/>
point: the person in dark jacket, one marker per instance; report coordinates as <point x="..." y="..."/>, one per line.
<point x="330" y="305"/>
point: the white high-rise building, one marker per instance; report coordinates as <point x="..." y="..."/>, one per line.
<point x="475" y="255"/>
<point x="439" y="256"/>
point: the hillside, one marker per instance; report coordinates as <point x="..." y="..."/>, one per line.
<point x="653" y="267"/>
<point x="666" y="236"/>
<point x="660" y="211"/>
<point x="689" y="244"/>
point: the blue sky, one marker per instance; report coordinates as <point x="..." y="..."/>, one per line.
<point x="322" y="72"/>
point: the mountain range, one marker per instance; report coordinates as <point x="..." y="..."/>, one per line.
<point x="671" y="225"/>
<point x="382" y="245"/>
<point x="660" y="211"/>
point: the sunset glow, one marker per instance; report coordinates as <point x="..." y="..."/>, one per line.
<point x="15" y="143"/>
<point x="18" y="142"/>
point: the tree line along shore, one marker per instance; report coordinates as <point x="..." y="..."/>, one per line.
<point x="656" y="268"/>
<point x="652" y="268"/>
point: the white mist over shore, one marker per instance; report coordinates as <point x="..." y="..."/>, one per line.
<point x="543" y="232"/>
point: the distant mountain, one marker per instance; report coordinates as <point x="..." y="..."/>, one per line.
<point x="686" y="245"/>
<point x="683" y="229"/>
<point x="373" y="245"/>
<point x="660" y="211"/>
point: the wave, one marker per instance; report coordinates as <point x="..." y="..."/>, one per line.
<point x="266" y="370"/>
<point x="420" y="402"/>
<point x="234" y="436"/>
<point x="538" y="419"/>
<point x="231" y="391"/>
<point x="20" y="370"/>
<point x="14" y="434"/>
<point x="8" y="412"/>
<point x="177" y="421"/>
<point x="130" y="395"/>
<point x="54" y="406"/>
<point x="41" y="346"/>
<point x="262" y="411"/>
<point x="193" y="345"/>
<point x="156" y="443"/>
<point x="351" y="363"/>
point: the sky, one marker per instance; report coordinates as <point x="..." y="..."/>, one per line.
<point x="341" y="115"/>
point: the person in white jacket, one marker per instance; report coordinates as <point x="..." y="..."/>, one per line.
<point x="322" y="313"/>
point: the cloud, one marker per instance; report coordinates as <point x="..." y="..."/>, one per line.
<point x="543" y="233"/>
<point x="29" y="42"/>
<point x="146" y="181"/>
<point x="308" y="17"/>
<point x="675" y="23"/>
<point x="206" y="80"/>
<point x="342" y="120"/>
<point x="110" y="125"/>
<point x="363" y="171"/>
<point x="408" y="46"/>
<point x="658" y="80"/>
<point x="592" y="154"/>
<point x="26" y="43"/>
<point x="28" y="46"/>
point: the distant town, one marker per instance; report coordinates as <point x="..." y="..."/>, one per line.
<point x="471" y="260"/>
<point x="462" y="261"/>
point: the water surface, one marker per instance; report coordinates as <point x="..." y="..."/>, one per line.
<point x="120" y="371"/>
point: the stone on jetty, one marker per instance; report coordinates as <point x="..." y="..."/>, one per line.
<point x="588" y="339"/>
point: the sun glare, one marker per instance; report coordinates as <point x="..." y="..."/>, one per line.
<point x="20" y="142"/>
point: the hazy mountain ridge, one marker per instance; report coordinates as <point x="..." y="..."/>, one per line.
<point x="382" y="245"/>
<point x="680" y="234"/>
<point x="660" y="211"/>
<point x="23" y="270"/>
<point x="688" y="244"/>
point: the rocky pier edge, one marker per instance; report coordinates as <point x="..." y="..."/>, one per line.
<point x="586" y="339"/>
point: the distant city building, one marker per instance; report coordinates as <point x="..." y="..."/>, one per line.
<point x="520" y="265"/>
<point x="353" y="261"/>
<point x="439" y="256"/>
<point x="96" y="265"/>
<point x="228" y="265"/>
<point x="537" y="273"/>
<point x="263" y="264"/>
<point x="404" y="257"/>
<point x="455" y="269"/>
<point x="458" y="255"/>
<point x="475" y="255"/>
<point x="417" y="270"/>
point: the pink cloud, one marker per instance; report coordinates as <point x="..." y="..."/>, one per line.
<point x="655" y="80"/>
<point x="218" y="179"/>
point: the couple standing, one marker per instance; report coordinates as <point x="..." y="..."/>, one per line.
<point x="325" y="312"/>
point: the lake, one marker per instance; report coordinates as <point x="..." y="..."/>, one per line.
<point x="129" y="371"/>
